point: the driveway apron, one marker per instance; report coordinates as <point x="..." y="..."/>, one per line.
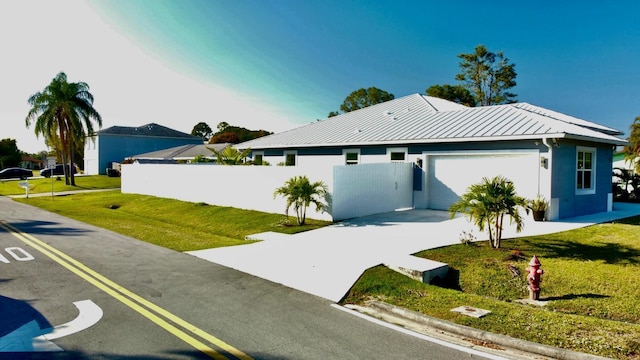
<point x="326" y="262"/>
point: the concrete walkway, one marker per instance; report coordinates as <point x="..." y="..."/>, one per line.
<point x="61" y="193"/>
<point x="326" y="262"/>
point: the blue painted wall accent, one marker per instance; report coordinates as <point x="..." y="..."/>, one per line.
<point x="479" y="146"/>
<point x="418" y="175"/>
<point x="115" y="148"/>
<point x="320" y="151"/>
<point x="563" y="184"/>
<point x="415" y="149"/>
<point x="272" y="152"/>
<point x="374" y="150"/>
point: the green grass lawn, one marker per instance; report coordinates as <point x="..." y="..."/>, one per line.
<point x="591" y="282"/>
<point x="43" y="185"/>
<point x="178" y="225"/>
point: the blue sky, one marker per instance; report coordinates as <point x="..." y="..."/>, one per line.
<point x="278" y="64"/>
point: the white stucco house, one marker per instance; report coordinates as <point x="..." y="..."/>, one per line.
<point x="447" y="147"/>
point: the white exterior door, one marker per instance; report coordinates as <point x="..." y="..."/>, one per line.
<point x="449" y="176"/>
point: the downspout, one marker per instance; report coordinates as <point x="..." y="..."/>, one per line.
<point x="545" y="141"/>
<point x="552" y="204"/>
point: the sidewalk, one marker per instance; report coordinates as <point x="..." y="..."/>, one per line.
<point x="60" y="193"/>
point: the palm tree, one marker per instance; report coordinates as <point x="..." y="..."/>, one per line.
<point x="486" y="204"/>
<point x="62" y="113"/>
<point x="230" y="155"/>
<point x="300" y="193"/>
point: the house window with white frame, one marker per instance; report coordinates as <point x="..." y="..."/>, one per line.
<point x="289" y="159"/>
<point x="585" y="170"/>
<point x="397" y="154"/>
<point x="351" y="157"/>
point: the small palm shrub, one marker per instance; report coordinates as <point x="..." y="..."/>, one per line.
<point x="487" y="203"/>
<point x="300" y="192"/>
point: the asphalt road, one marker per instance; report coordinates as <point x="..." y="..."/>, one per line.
<point x="156" y="303"/>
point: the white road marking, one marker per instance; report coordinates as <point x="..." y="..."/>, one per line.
<point x="89" y="315"/>
<point x="29" y="337"/>
<point x="25" y="255"/>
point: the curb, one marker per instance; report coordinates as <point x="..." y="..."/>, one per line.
<point x="469" y="332"/>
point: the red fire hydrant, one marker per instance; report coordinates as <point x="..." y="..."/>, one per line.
<point x="534" y="278"/>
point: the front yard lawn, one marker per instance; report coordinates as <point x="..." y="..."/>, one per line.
<point x="177" y="225"/>
<point x="591" y="283"/>
<point x="43" y="185"/>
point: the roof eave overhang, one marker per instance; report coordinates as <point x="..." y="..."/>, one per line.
<point x="445" y="140"/>
<point x="614" y="141"/>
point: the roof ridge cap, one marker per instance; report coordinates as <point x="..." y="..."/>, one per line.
<point x="426" y="100"/>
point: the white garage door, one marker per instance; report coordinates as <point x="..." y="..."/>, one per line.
<point x="451" y="175"/>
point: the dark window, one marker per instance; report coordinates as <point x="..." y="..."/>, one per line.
<point x="351" y="158"/>
<point x="397" y="156"/>
<point x="290" y="160"/>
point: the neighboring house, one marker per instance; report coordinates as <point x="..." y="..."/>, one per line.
<point x="623" y="179"/>
<point x="565" y="159"/>
<point x="31" y="163"/>
<point x="116" y="143"/>
<point x="620" y="162"/>
<point x="184" y="153"/>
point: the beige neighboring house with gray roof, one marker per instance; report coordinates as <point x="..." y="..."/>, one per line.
<point x="567" y="160"/>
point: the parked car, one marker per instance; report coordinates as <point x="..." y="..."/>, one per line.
<point x="15" y="173"/>
<point x="58" y="170"/>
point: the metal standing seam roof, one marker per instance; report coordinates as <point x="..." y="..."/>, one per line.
<point x="151" y="129"/>
<point x="419" y="118"/>
<point x="182" y="152"/>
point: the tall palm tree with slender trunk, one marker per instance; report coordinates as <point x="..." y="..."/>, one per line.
<point x="63" y="114"/>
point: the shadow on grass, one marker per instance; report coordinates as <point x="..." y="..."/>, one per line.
<point x="635" y="220"/>
<point x="450" y="281"/>
<point x="608" y="252"/>
<point x="576" y="296"/>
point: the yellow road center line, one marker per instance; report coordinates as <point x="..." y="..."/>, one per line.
<point x="110" y="288"/>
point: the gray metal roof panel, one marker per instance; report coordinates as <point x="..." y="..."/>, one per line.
<point x="182" y="152"/>
<point x="151" y="129"/>
<point x="416" y="118"/>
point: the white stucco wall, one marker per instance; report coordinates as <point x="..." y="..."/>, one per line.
<point x="244" y="187"/>
<point x="91" y="157"/>
<point x="356" y="190"/>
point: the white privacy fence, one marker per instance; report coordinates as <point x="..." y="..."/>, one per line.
<point x="354" y="191"/>
<point x="371" y="189"/>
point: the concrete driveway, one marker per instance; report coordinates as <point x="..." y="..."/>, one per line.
<point x="326" y="262"/>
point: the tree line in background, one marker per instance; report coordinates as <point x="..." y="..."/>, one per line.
<point x="485" y="79"/>
<point x="10" y="155"/>
<point x="226" y="133"/>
